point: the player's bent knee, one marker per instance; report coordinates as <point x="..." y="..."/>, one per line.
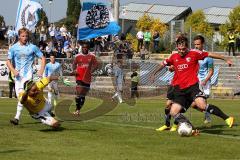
<point x="175" y="109"/>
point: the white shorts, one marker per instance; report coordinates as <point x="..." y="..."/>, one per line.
<point x="207" y="88"/>
<point x="53" y="87"/>
<point x="19" y="85"/>
<point x="119" y="87"/>
<point x="44" y="115"/>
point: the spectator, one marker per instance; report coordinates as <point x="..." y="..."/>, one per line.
<point x="42" y="44"/>
<point x="140" y="40"/>
<point x="156" y="39"/>
<point x="2" y="31"/>
<point x="11" y="83"/>
<point x="231" y="42"/>
<point x="67" y="48"/>
<point x="42" y="29"/>
<point x="143" y="53"/>
<point x="59" y="50"/>
<point x="238" y="42"/>
<point x="52" y="31"/>
<point x="49" y="48"/>
<point x="97" y="46"/>
<point x="63" y="31"/>
<point x="147" y="39"/>
<point x="129" y="51"/>
<point x="58" y="34"/>
<point x="11" y="35"/>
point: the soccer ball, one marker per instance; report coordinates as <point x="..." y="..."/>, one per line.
<point x="185" y="129"/>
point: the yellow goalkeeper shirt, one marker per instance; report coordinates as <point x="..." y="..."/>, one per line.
<point x="36" y="104"/>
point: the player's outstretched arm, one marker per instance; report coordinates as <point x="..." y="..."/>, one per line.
<point x="218" y="56"/>
<point x="43" y="64"/>
<point x="158" y="69"/>
<point x="24" y="97"/>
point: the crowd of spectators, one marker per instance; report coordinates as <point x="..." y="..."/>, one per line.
<point x="59" y="40"/>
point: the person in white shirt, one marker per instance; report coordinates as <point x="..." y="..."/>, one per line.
<point x="140" y="37"/>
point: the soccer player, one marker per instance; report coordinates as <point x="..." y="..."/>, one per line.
<point x="20" y="60"/>
<point x="84" y="65"/>
<point x="32" y="98"/>
<point x="134" y="84"/>
<point x="53" y="68"/>
<point x="118" y="80"/>
<point x="186" y="89"/>
<point x="205" y="72"/>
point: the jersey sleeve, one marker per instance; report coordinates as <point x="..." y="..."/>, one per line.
<point x="201" y="54"/>
<point x="46" y="71"/>
<point x="10" y="54"/>
<point x="37" y="52"/>
<point x="168" y="61"/>
<point x="42" y="83"/>
<point x="210" y="63"/>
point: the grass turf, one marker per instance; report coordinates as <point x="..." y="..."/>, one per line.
<point x="126" y="133"/>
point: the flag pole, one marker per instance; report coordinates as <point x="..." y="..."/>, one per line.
<point x="116" y="10"/>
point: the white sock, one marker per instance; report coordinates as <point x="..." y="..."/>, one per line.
<point x="115" y="95"/>
<point x="120" y="97"/>
<point x="19" y="110"/>
<point x="50" y="97"/>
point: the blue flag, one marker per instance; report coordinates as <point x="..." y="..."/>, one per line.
<point x="27" y="14"/>
<point x="96" y="20"/>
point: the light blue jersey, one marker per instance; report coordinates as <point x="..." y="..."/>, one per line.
<point x="22" y="57"/>
<point x="53" y="69"/>
<point x="204" y="66"/>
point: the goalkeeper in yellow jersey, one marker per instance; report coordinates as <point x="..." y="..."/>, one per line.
<point x="38" y="106"/>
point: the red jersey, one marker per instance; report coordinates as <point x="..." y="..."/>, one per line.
<point x="186" y="67"/>
<point x="84" y="64"/>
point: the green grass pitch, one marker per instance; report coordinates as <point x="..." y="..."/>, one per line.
<point x="125" y="133"/>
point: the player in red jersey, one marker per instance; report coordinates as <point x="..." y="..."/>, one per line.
<point x="84" y="65"/>
<point x="186" y="88"/>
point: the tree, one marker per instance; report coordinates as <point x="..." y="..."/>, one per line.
<point x="234" y="18"/>
<point x="232" y="24"/>
<point x="198" y="24"/>
<point x="158" y="26"/>
<point x="42" y="17"/>
<point x="73" y="12"/>
<point x="2" y="19"/>
<point x="147" y="22"/>
<point x="144" y="22"/>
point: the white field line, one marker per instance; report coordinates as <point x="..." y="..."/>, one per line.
<point x="152" y="128"/>
<point x="137" y="126"/>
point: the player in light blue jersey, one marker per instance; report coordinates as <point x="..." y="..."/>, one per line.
<point x="20" y="61"/>
<point x="53" y="68"/>
<point x="206" y="69"/>
<point x="119" y="80"/>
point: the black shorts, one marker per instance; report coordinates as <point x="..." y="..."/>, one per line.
<point x="83" y="84"/>
<point x="186" y="96"/>
<point x="134" y="86"/>
<point x="170" y="94"/>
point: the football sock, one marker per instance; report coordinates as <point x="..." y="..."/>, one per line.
<point x="80" y="100"/>
<point x="180" y="118"/>
<point x="212" y="109"/>
<point x="167" y="117"/>
<point x="19" y="110"/>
